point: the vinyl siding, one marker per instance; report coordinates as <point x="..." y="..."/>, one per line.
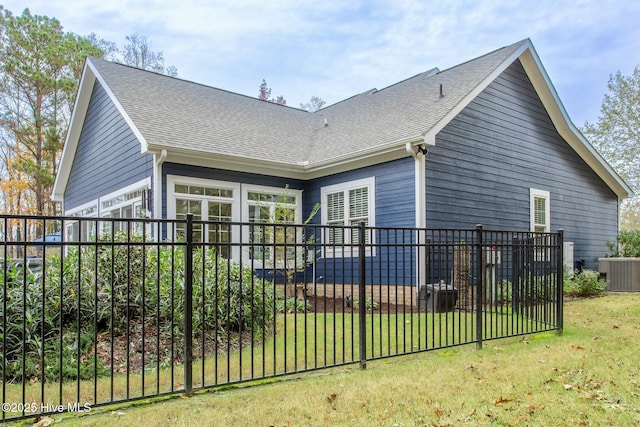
<point x="169" y="168"/>
<point x="108" y="155"/>
<point x="395" y="207"/>
<point x="501" y="145"/>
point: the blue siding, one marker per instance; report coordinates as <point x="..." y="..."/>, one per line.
<point x="499" y="146"/>
<point x="395" y="200"/>
<point x="169" y="168"/>
<point x="395" y="207"/>
<point x="108" y="154"/>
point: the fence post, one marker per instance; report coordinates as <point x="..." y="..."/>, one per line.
<point x="362" y="302"/>
<point x="188" y="308"/>
<point x="560" y="282"/>
<point x="479" y="287"/>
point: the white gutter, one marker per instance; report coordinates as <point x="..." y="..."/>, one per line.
<point x="158" y="160"/>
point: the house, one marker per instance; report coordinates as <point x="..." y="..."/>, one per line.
<point x="487" y="141"/>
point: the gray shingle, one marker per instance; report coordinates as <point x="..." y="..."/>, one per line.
<point x="177" y="114"/>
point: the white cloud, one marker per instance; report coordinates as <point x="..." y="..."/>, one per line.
<point x="335" y="49"/>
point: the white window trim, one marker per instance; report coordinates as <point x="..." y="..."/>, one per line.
<point x="541" y="255"/>
<point x="543" y="194"/>
<point x="144" y="184"/>
<point x="370" y="183"/>
<point x="68" y="225"/>
<point x="250" y="188"/>
<point x="239" y="210"/>
<point x="92" y="204"/>
<point x="172" y="180"/>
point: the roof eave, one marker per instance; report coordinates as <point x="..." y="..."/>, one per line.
<point x="73" y="135"/>
<point x="551" y="101"/>
<point x="565" y="127"/>
<point x="85" y="90"/>
<point x="302" y="170"/>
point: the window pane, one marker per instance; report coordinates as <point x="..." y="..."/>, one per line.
<point x="359" y="202"/>
<point x="540" y="211"/>
<point x="196" y="189"/>
<point x="335" y="207"/>
<point x="183" y="207"/>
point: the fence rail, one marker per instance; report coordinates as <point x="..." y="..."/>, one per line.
<point x="113" y="310"/>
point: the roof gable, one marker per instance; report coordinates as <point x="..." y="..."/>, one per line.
<point x="202" y="125"/>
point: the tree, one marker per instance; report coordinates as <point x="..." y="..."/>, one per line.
<point x="40" y="66"/>
<point x="313" y="105"/>
<point x="264" y="94"/>
<point x="616" y="136"/>
<point x="137" y="53"/>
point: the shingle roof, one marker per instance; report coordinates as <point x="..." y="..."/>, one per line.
<point x="176" y="114"/>
<point x="208" y="126"/>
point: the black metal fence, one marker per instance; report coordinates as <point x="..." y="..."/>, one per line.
<point x="113" y="310"/>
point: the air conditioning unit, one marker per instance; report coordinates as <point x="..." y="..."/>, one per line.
<point x="621" y="274"/>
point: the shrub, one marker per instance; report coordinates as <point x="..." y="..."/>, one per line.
<point x="585" y="284"/>
<point x="369" y="304"/>
<point x="124" y="284"/>
<point x="628" y="244"/>
<point x="292" y="305"/>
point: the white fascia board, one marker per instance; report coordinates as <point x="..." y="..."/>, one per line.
<point x="73" y="134"/>
<point x="298" y="170"/>
<point x="565" y="127"/>
<point x="89" y="76"/>
<point x="144" y="147"/>
<point x="430" y="135"/>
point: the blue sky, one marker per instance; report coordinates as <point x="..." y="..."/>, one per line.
<point x="336" y="49"/>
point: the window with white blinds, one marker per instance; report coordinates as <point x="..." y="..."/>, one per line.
<point x="346" y="205"/>
<point x="540" y="210"/>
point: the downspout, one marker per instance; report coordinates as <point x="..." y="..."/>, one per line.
<point x="419" y="154"/>
<point x="158" y="160"/>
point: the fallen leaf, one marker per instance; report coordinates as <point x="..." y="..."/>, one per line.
<point x="44" y="422"/>
<point x="501" y="401"/>
<point x="616" y="327"/>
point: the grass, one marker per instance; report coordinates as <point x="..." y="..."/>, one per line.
<point x="588" y="376"/>
<point x="302" y="343"/>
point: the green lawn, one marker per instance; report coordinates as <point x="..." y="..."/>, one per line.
<point x="588" y="376"/>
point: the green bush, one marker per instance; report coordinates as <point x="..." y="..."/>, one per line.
<point x="120" y="285"/>
<point x="585" y="284"/>
<point x="628" y="244"/>
<point x="369" y="304"/>
<point x="292" y="305"/>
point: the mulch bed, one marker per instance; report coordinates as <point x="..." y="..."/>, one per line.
<point x="160" y="350"/>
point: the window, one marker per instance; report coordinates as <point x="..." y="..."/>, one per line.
<point x="129" y="202"/>
<point x="540" y="211"/>
<point x="208" y="201"/>
<point x="219" y="204"/>
<point x="82" y="230"/>
<point x="268" y="205"/>
<point x="541" y="222"/>
<point x="345" y="205"/>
